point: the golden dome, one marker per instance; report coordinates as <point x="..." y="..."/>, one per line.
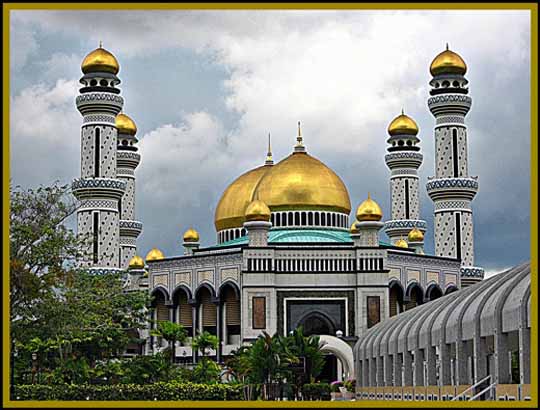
<point x="403" y="124"/>
<point x="100" y="60"/>
<point x="354" y="229"/>
<point x="231" y="207"/>
<point x="125" y="124"/>
<point x="136" y="262"/>
<point x="448" y="62"/>
<point x="301" y="181"/>
<point x="369" y="210"/>
<point x="415" y="235"/>
<point x="191" y="235"/>
<point x="257" y="211"/>
<point x="401" y="243"/>
<point x="154" y="255"/>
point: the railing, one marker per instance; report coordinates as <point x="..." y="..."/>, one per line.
<point x="471" y="388"/>
<point x="490" y="388"/>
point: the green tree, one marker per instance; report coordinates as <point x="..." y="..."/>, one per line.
<point x="172" y="333"/>
<point x="309" y="348"/>
<point x="65" y="316"/>
<point x="204" y="341"/>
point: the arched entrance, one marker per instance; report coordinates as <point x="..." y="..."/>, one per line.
<point x="316" y="323"/>
<point x="342" y="351"/>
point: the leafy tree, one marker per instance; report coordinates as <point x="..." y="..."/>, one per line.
<point x="309" y="348"/>
<point x="65" y="316"/>
<point x="206" y="372"/>
<point x="172" y="333"/>
<point x="204" y="342"/>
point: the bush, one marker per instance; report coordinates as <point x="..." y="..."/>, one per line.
<point x="334" y="386"/>
<point x="350" y="385"/>
<point x="155" y="391"/>
<point x="316" y="391"/>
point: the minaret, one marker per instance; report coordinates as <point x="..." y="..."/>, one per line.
<point x="191" y="241"/>
<point x="366" y="229"/>
<point x="452" y="189"/>
<point x="257" y="223"/>
<point x="127" y="159"/>
<point x="99" y="190"/>
<point x="403" y="158"/>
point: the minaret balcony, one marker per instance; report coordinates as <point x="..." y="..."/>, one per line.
<point x="130" y="228"/>
<point x="127" y="159"/>
<point x="99" y="102"/>
<point x="87" y="188"/>
<point x="450" y="103"/>
<point x="472" y="272"/>
<point x="456" y="188"/>
<point x="402" y="227"/>
<point x="404" y="159"/>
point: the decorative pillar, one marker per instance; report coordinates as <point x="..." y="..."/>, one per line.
<point x="366" y="232"/>
<point x="191" y="241"/>
<point x="194" y="305"/>
<point x="217" y="302"/>
<point x="404" y="158"/>
<point x="127" y="160"/>
<point x="257" y="223"/>
<point x="415" y="240"/>
<point x="452" y="189"/>
<point x="99" y="190"/>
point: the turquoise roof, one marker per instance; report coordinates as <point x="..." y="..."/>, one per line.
<point x="300" y="236"/>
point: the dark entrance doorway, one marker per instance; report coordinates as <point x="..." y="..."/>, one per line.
<point x="329" y="371"/>
<point x="316" y="324"/>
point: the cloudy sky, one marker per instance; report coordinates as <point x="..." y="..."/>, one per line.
<point x="206" y="87"/>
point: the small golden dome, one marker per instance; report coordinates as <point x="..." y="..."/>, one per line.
<point x="415" y="235"/>
<point x="257" y="211"/>
<point x="401" y="243"/>
<point x="369" y="210"/>
<point x="191" y="235"/>
<point x="448" y="62"/>
<point x="125" y="124"/>
<point x="154" y="255"/>
<point x="403" y="124"/>
<point x="354" y="229"/>
<point x="100" y="60"/>
<point x="136" y="262"/>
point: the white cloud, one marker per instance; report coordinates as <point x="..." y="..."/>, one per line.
<point x="23" y="44"/>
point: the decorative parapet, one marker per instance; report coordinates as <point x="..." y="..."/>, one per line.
<point x="406" y="224"/>
<point x="101" y="187"/>
<point x="130" y="228"/>
<point x="127" y="159"/>
<point x="446" y="188"/>
<point x="104" y="271"/>
<point x="86" y="100"/>
<point x="472" y="272"/>
<point x="444" y="103"/>
<point x="404" y="159"/>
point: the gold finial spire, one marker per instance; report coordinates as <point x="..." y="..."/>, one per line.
<point x="299" y="142"/>
<point x="447" y="48"/>
<point x="369" y="195"/>
<point x="100" y="44"/>
<point x="269" y="159"/>
<point x="402" y="111"/>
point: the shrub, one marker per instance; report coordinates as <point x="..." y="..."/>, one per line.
<point x="155" y="391"/>
<point x="350" y="385"/>
<point x="334" y="386"/>
<point x="316" y="391"/>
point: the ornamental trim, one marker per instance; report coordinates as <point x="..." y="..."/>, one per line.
<point x="450" y="98"/>
<point x="404" y="155"/>
<point x="443" y="183"/>
<point x="130" y="224"/>
<point x="405" y="223"/>
<point x="82" y="183"/>
<point x="99" y="97"/>
<point x="472" y="272"/>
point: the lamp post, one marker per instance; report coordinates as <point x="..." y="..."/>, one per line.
<point x="34" y="367"/>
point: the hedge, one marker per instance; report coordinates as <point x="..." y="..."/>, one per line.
<point x="154" y="391"/>
<point x="316" y="391"/>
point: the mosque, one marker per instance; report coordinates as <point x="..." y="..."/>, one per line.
<point x="288" y="252"/>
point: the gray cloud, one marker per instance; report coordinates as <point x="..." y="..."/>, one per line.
<point x="344" y="74"/>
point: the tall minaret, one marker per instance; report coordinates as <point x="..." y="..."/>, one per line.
<point x="403" y="159"/>
<point x="452" y="189"/>
<point x="99" y="190"/>
<point x="127" y="159"/>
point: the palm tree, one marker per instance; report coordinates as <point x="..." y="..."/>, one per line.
<point x="172" y="333"/>
<point x="205" y="341"/>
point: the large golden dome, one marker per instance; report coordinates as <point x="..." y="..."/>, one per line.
<point x="100" y="60"/>
<point x="231" y="207"/>
<point x="448" y="62"/>
<point x="403" y="125"/>
<point x="301" y="181"/>
<point x="125" y="124"/>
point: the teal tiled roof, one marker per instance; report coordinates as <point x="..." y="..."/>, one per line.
<point x="300" y="236"/>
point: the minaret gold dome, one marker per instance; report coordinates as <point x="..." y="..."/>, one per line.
<point x="154" y="255"/>
<point x="100" y="60"/>
<point x="136" y="262"/>
<point x="257" y="211"/>
<point x="415" y="235"/>
<point x="369" y="210"/>
<point x="191" y="235"/>
<point x="125" y="124"/>
<point x="354" y="229"/>
<point x="448" y="62"/>
<point x="401" y="243"/>
<point x="403" y="125"/>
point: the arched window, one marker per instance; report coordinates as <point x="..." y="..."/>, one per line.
<point x="334" y="223"/>
<point x="290" y="217"/>
<point x="323" y="218"/>
<point x="304" y="223"/>
<point x="310" y="218"/>
<point x="297" y="218"/>
<point x="317" y="219"/>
